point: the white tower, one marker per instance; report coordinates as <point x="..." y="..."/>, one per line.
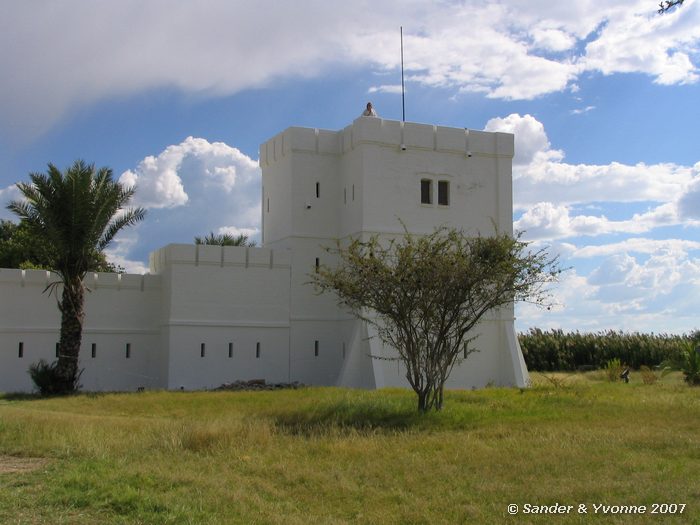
<point x="319" y="186"/>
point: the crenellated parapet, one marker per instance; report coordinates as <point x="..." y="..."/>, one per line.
<point x="10" y="277"/>
<point x="221" y="256"/>
<point x="388" y="133"/>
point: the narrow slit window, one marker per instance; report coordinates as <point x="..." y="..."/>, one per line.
<point x="202" y="350"/>
<point x="58" y="345"/>
<point x="345" y="195"/>
<point x="20" y="350"/>
<point x="318" y="190"/>
<point x="343" y="349"/>
<point x="317" y="264"/>
<point x="268" y="205"/>
<point x="315" y="348"/>
<point x="93" y="350"/>
<point x="230" y="350"/>
<point x="426" y="191"/>
<point x="128" y="350"/>
<point x="353" y="192"/>
<point x="444" y="193"/>
<point x="464" y="351"/>
<point x="257" y="350"/>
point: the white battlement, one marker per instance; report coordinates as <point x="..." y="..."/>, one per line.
<point x="388" y="133"/>
<point x="10" y="277"/>
<point x="211" y="255"/>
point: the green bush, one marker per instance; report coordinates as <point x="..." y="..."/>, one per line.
<point x="649" y="377"/>
<point x="690" y="364"/>
<point x="613" y="369"/>
<point x="47" y="379"/>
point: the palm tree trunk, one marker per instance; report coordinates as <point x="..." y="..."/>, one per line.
<point x="72" y="316"/>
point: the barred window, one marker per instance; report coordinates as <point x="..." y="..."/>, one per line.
<point x="426" y="191"/>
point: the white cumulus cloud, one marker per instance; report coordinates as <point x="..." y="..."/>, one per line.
<point x="7" y="195"/>
<point x="531" y="140"/>
<point x="513" y="49"/>
<point x="210" y="165"/>
<point x="633" y="283"/>
<point x="689" y="200"/>
<point x="546" y="220"/>
<point x="638" y="41"/>
<point x="190" y="189"/>
<point x="541" y="175"/>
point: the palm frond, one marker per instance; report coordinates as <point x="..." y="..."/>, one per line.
<point x="76" y="212"/>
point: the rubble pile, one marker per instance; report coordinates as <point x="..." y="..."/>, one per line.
<point x="259" y="384"/>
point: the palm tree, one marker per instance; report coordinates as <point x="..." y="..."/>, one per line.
<point x="77" y="214"/>
<point x="225" y="239"/>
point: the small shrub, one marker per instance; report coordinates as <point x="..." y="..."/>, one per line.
<point x="613" y="369"/>
<point x="47" y="379"/>
<point x="649" y="377"/>
<point x="687" y="361"/>
<point x="556" y="382"/>
<point x="690" y="364"/>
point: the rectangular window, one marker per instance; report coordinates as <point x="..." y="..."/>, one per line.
<point x="426" y="191"/>
<point x="443" y="192"/>
<point x="20" y="350"/>
<point x="93" y="350"/>
<point x="257" y="350"/>
<point x="353" y="192"/>
<point x="57" y="347"/>
<point x="464" y="351"/>
<point x="202" y="350"/>
<point x="230" y="350"/>
<point x="345" y="195"/>
<point x="268" y="205"/>
<point x="316" y="348"/>
<point x="318" y="263"/>
<point x="128" y="350"/>
<point x="318" y="190"/>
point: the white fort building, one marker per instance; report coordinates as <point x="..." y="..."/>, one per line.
<point x="207" y="315"/>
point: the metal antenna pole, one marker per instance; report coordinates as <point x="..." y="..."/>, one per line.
<point x="403" y="93"/>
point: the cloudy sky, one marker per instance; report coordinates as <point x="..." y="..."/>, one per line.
<point x="603" y="98"/>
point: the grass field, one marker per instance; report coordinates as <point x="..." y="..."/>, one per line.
<point x="326" y="455"/>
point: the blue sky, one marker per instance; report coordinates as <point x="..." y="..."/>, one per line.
<point x="604" y="101"/>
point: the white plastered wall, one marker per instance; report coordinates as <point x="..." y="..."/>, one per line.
<point x="120" y="310"/>
<point x="257" y="301"/>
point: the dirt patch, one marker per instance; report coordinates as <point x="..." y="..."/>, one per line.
<point x="9" y="464"/>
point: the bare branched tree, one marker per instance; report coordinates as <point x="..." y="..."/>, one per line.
<point x="667" y="5"/>
<point x="425" y="294"/>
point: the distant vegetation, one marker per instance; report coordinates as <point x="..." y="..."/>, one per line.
<point x="558" y="350"/>
<point x="22" y="248"/>
<point x="225" y="239"/>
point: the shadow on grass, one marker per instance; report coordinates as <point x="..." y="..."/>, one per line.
<point x="19" y="396"/>
<point x="35" y="396"/>
<point x="356" y="415"/>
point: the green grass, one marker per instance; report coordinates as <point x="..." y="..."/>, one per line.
<point x="327" y="455"/>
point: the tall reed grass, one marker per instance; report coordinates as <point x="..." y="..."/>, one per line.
<point x="558" y="350"/>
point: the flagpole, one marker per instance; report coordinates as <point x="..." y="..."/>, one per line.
<point x="403" y="96"/>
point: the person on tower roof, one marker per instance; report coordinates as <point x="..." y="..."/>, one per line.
<point x="369" y="111"/>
